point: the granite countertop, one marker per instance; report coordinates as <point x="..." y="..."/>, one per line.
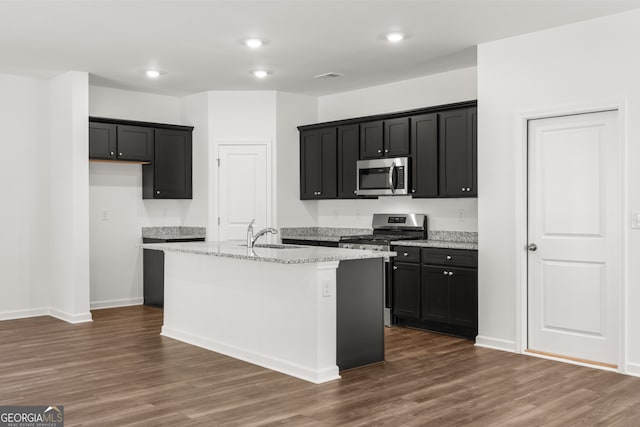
<point x="174" y="232"/>
<point x="292" y="254"/>
<point x="445" y="239"/>
<point x="325" y="234"/>
<point x="437" y="244"/>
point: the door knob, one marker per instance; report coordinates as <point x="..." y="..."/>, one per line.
<point x="532" y="247"/>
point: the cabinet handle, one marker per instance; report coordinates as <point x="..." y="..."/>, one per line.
<point x="386" y="151"/>
<point x="406" y="254"/>
<point x="463" y="189"/>
<point x="355" y="192"/>
<point x="112" y="153"/>
<point x="395" y="268"/>
<point x="158" y="192"/>
<point x="448" y="256"/>
<point x="379" y="151"/>
<point x="468" y="189"/>
<point x="413" y="190"/>
<point x="120" y="154"/>
<point x="445" y="273"/>
<point x="451" y="273"/>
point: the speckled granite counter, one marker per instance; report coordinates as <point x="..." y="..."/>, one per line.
<point x="327" y="234"/>
<point x="445" y="239"/>
<point x="177" y="232"/>
<point x="290" y="254"/>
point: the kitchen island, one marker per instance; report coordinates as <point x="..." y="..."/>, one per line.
<point x="303" y="311"/>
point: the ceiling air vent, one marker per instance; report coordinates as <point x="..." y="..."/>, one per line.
<point x="330" y="75"/>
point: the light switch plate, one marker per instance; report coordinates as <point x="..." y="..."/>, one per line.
<point x="635" y="219"/>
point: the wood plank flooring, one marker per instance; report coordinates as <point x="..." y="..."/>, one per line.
<point x="119" y="371"/>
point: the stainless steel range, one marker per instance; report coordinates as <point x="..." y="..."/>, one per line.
<point x="388" y="228"/>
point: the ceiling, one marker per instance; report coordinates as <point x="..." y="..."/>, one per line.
<point x="199" y="44"/>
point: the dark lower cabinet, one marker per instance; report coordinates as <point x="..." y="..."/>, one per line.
<point x="348" y="151"/>
<point x="442" y="298"/>
<point x="170" y="174"/>
<point x="406" y="289"/>
<point x="318" y="164"/>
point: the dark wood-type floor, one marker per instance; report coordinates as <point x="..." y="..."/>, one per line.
<point x="118" y="371"/>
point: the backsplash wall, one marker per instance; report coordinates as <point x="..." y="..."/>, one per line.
<point x="443" y="214"/>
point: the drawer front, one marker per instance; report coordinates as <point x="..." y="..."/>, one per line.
<point x="460" y="257"/>
<point x="406" y="254"/>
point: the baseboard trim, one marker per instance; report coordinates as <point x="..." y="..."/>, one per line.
<point x="633" y="369"/>
<point x="99" y="305"/>
<point x="71" y="318"/>
<point x="304" y="373"/>
<point x="496" y="344"/>
<point x="23" y="314"/>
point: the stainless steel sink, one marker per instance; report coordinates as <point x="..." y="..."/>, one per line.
<point x="272" y="246"/>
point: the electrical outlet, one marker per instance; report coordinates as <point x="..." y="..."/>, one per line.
<point x="635" y="219"/>
<point x="460" y="215"/>
<point x="106" y="215"/>
<point x="326" y="288"/>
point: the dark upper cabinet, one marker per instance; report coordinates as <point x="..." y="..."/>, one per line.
<point x="372" y="140"/>
<point x="458" y="152"/>
<point x="424" y="154"/>
<point x="396" y="137"/>
<point x="135" y="143"/>
<point x="170" y="174"/>
<point x="406" y="290"/>
<point x="318" y="164"/>
<point x="348" y="151"/>
<point x="388" y="138"/>
<point x="120" y="142"/>
<point x="102" y="141"/>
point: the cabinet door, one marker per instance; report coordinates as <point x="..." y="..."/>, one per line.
<point x="435" y="293"/>
<point x="102" y="141"/>
<point x="473" y="136"/>
<point x="329" y="163"/>
<point x="463" y="297"/>
<point x="135" y="143"/>
<point x="371" y="140"/>
<point x="172" y="174"/>
<point x="406" y="290"/>
<point x="348" y="150"/>
<point x="396" y="137"/>
<point x="456" y="154"/>
<point x="424" y="154"/>
<point x="310" y="164"/>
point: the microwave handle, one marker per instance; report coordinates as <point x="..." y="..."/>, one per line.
<point x="391" y="170"/>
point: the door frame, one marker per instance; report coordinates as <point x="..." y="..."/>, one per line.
<point x="214" y="193"/>
<point x="522" y="210"/>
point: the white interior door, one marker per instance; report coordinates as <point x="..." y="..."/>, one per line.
<point x="575" y="275"/>
<point x="244" y="189"/>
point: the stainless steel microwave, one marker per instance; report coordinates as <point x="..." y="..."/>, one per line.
<point x="383" y="177"/>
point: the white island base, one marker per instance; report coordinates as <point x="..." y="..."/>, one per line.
<point x="279" y="316"/>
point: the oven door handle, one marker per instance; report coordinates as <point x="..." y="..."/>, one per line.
<point x="391" y="171"/>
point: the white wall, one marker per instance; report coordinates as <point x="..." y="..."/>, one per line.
<point x="237" y="116"/>
<point x="69" y="197"/>
<point x="24" y="168"/>
<point x="116" y="260"/>
<point x="437" y="89"/>
<point x="292" y="110"/>
<point x="580" y="65"/>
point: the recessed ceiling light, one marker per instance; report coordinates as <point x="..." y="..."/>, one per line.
<point x="152" y="74"/>
<point x="260" y="74"/>
<point x="253" y="43"/>
<point x="395" y="37"/>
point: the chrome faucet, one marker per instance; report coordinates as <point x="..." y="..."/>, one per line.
<point x="251" y="239"/>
